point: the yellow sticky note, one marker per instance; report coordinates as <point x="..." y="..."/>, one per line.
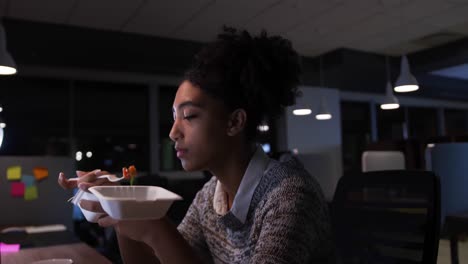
<point x="14" y="173"/>
<point x="30" y="193"/>
<point x="40" y="173"/>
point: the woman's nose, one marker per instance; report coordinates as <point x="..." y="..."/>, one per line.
<point x="175" y="133"/>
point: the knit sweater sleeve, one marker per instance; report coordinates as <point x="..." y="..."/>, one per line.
<point x="191" y="227"/>
<point x="295" y="225"/>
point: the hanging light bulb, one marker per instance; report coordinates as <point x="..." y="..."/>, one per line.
<point x="2" y="123"/>
<point x="1" y="136"/>
<point x="406" y="81"/>
<point x="323" y="112"/>
<point x="390" y="102"/>
<point x="263" y="127"/>
<point x="7" y="64"/>
<point x="302" y="111"/>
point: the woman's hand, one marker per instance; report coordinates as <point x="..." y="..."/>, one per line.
<point x="86" y="180"/>
<point x="139" y="230"/>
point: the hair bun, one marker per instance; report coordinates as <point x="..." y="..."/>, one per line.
<point x="259" y="73"/>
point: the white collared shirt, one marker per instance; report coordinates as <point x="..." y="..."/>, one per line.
<point x="257" y="167"/>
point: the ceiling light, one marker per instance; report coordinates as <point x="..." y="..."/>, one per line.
<point x="7" y="64"/>
<point x="323" y="112"/>
<point x="1" y="137"/>
<point x="390" y="102"/>
<point x="406" y="81"/>
<point x="2" y="123"/>
<point x="78" y="155"/>
<point x="263" y="127"/>
<point x="302" y="112"/>
<point x="323" y="116"/>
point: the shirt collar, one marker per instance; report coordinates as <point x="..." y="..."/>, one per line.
<point x="240" y="206"/>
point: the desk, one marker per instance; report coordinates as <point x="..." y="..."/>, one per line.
<point x="39" y="239"/>
<point x="80" y="253"/>
<point x="456" y="225"/>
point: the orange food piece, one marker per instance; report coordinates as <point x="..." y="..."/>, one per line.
<point x="132" y="171"/>
<point x="125" y="173"/>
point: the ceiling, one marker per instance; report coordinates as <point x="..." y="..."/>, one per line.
<point x="351" y="32"/>
<point x="351" y="37"/>
<point x="392" y="27"/>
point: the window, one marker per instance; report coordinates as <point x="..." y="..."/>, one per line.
<point x="391" y="124"/>
<point x="169" y="160"/>
<point x="111" y="123"/>
<point x="267" y="134"/>
<point x="356" y="133"/>
<point x="422" y="123"/>
<point x="456" y="122"/>
<point x="36" y="113"/>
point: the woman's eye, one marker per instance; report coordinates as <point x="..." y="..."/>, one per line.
<point x="188" y="117"/>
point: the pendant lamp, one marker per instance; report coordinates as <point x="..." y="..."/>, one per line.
<point x="323" y="112"/>
<point x="7" y="64"/>
<point x="406" y="81"/>
<point x="390" y="101"/>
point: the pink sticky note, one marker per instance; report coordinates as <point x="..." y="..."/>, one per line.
<point x="9" y="248"/>
<point x="17" y="189"/>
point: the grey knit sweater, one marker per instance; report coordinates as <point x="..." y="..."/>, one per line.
<point x="287" y="222"/>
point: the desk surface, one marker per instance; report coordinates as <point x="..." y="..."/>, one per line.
<point x="80" y="253"/>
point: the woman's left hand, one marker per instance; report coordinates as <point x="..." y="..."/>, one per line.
<point x="139" y="230"/>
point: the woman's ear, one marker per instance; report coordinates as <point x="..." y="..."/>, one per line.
<point x="237" y="122"/>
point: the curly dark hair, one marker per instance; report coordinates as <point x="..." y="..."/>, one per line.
<point x="257" y="73"/>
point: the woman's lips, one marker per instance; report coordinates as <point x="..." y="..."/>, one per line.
<point x="181" y="153"/>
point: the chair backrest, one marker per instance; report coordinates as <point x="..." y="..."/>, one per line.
<point x="387" y="217"/>
<point x="382" y="160"/>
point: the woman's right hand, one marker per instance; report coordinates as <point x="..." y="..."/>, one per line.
<point x="85" y="181"/>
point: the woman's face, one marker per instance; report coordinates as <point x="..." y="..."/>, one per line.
<point x="200" y="128"/>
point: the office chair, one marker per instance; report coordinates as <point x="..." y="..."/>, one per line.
<point x="387" y="217"/>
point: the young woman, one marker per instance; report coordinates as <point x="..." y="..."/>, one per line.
<point x="255" y="209"/>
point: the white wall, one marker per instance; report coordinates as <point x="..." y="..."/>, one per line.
<point x="318" y="142"/>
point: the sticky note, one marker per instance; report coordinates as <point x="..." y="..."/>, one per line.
<point x="28" y="180"/>
<point x="9" y="248"/>
<point x="40" y="173"/>
<point x="14" y="173"/>
<point x="17" y="189"/>
<point x="30" y="193"/>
